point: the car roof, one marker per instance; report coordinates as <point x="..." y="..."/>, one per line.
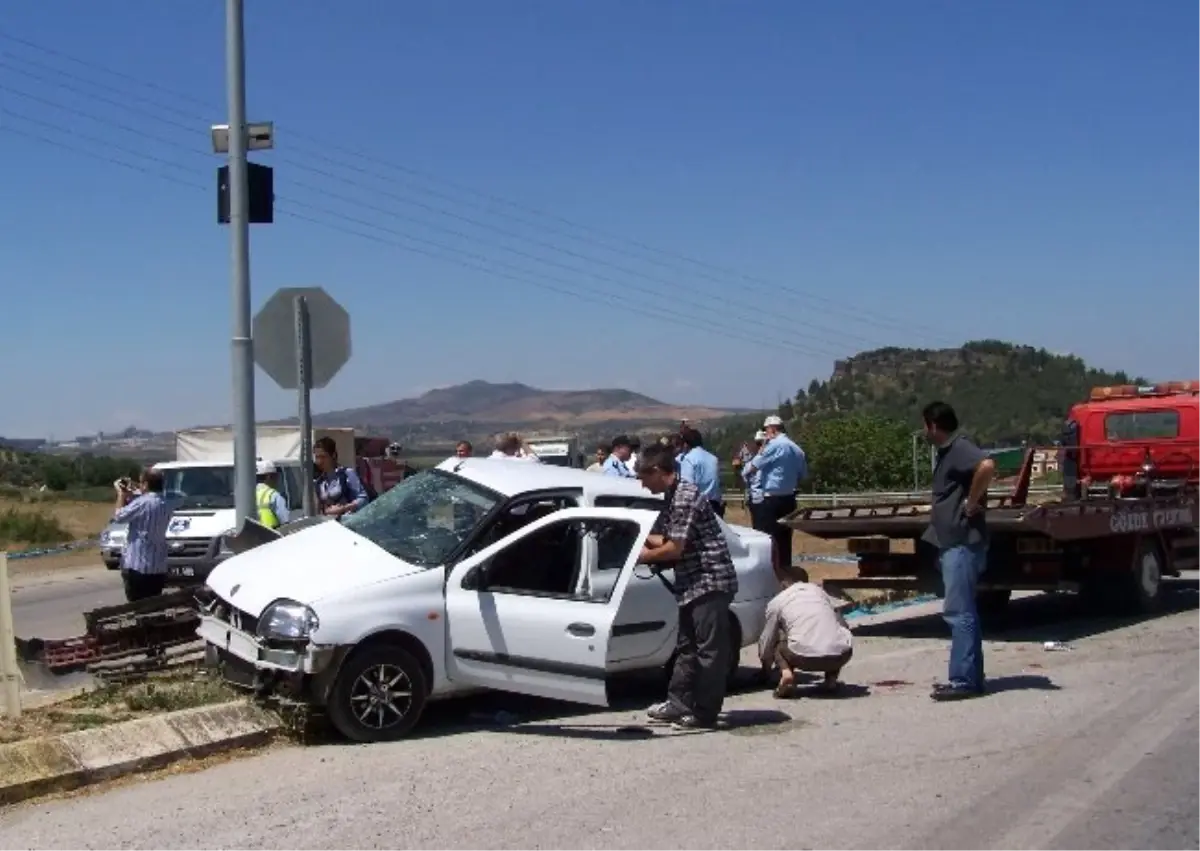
<point x="512" y="477"/>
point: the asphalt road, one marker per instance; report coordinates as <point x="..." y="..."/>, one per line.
<point x="51" y="605"/>
<point x="1094" y="747"/>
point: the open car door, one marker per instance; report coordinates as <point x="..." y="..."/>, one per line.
<point x="515" y="618"/>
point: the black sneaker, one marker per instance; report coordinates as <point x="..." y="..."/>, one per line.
<point x="665" y="713"/>
<point x="691" y="722"/>
<point x="951" y="691"/>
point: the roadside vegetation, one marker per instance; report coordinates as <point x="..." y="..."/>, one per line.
<point x="81" y="477"/>
<point x="33" y="528"/>
<point x="114" y="704"/>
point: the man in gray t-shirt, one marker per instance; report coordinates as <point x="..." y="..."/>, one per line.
<point x="958" y="528"/>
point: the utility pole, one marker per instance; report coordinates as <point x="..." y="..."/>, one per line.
<point x="239" y="230"/>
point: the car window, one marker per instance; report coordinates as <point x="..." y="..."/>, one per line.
<point x="548" y="562"/>
<point x="293" y="484"/>
<point x="519" y="515"/>
<point x="426" y="517"/>
<point x="1142" y="425"/>
<point x="649" y="503"/>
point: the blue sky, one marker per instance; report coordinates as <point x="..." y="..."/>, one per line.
<point x="811" y="179"/>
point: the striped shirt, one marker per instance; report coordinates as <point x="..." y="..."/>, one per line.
<point x="146" y="545"/>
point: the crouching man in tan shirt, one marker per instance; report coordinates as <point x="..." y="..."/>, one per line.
<point x="804" y="632"/>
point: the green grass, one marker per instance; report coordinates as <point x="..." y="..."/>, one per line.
<point x="31" y="527"/>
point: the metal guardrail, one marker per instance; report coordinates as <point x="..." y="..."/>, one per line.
<point x="835" y="499"/>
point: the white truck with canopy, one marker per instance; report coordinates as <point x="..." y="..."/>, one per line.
<point x="200" y="484"/>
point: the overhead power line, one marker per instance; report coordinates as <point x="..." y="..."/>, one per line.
<point x="449" y="254"/>
<point x="696" y="268"/>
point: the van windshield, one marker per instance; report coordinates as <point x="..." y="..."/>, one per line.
<point x="424" y="518"/>
<point x="199" y="487"/>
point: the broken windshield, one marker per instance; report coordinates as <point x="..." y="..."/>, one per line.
<point x="199" y="487"/>
<point x="424" y="518"/>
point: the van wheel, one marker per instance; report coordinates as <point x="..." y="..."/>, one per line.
<point x="379" y="694"/>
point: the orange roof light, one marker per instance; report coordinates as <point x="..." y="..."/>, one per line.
<point x="1131" y="391"/>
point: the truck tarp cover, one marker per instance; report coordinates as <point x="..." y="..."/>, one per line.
<point x="272" y="443"/>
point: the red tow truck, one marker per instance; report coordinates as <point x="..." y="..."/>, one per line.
<point x="1126" y="517"/>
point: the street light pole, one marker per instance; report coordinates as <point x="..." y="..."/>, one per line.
<point x="242" y="348"/>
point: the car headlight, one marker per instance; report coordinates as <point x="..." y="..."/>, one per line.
<point x="288" y="620"/>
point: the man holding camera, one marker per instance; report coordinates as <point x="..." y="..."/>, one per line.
<point x="144" y="560"/>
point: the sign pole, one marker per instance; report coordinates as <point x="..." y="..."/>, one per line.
<point x="303" y="393"/>
<point x="239" y="232"/>
<point x="10" y="674"/>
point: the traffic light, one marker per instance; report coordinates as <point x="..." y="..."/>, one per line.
<point x="261" y="180"/>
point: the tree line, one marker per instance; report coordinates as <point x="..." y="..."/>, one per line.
<point x="61" y="473"/>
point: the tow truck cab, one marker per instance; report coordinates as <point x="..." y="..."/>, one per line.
<point x="1128" y="439"/>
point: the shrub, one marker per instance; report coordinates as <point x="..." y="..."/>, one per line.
<point x="31" y="527"/>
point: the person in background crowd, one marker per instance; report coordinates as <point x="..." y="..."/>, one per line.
<point x="752" y="480"/>
<point x="272" y="507"/>
<point x="635" y="447"/>
<point x="339" y="489"/>
<point x="463" y="449"/>
<point x="601" y="456"/>
<point x="700" y="467"/>
<point x="688" y="538"/>
<point x="618" y="462"/>
<point x="804" y="631"/>
<point x="144" y="559"/>
<point x="961" y="476"/>
<point x="511" y="447"/>
<point x="783" y="466"/>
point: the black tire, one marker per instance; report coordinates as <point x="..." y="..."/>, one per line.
<point x="113" y="565"/>
<point x="1137" y="591"/>
<point x="1144" y="582"/>
<point x="354" y="701"/>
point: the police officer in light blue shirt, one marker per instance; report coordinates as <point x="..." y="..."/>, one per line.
<point x="782" y="466"/>
<point x="700" y="467"/>
<point x="617" y="463"/>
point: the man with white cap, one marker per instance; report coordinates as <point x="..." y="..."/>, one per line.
<point x="782" y="465"/>
<point x="272" y="507"/>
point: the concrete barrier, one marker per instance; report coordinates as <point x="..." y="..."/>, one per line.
<point x="68" y="761"/>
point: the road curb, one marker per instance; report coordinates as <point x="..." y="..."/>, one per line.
<point x="60" y="763"/>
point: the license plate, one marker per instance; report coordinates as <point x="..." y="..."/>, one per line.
<point x="184" y="571"/>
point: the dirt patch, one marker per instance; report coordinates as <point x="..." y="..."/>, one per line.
<point x="114" y="704"/>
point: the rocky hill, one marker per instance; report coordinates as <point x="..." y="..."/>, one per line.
<point x="515" y="405"/>
<point x="1004" y="393"/>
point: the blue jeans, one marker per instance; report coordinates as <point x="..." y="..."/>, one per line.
<point x="961" y="568"/>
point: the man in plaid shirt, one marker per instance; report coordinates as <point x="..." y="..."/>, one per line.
<point x="688" y="539"/>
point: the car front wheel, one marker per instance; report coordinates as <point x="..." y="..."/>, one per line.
<point x="379" y="694"/>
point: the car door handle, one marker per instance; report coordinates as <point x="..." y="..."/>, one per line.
<point x="583" y="630"/>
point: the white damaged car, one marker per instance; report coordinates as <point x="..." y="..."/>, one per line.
<point x="478" y="574"/>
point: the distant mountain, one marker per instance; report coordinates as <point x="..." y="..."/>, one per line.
<point x="482" y="402"/>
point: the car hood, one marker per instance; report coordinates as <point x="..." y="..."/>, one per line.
<point x="306" y="566"/>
